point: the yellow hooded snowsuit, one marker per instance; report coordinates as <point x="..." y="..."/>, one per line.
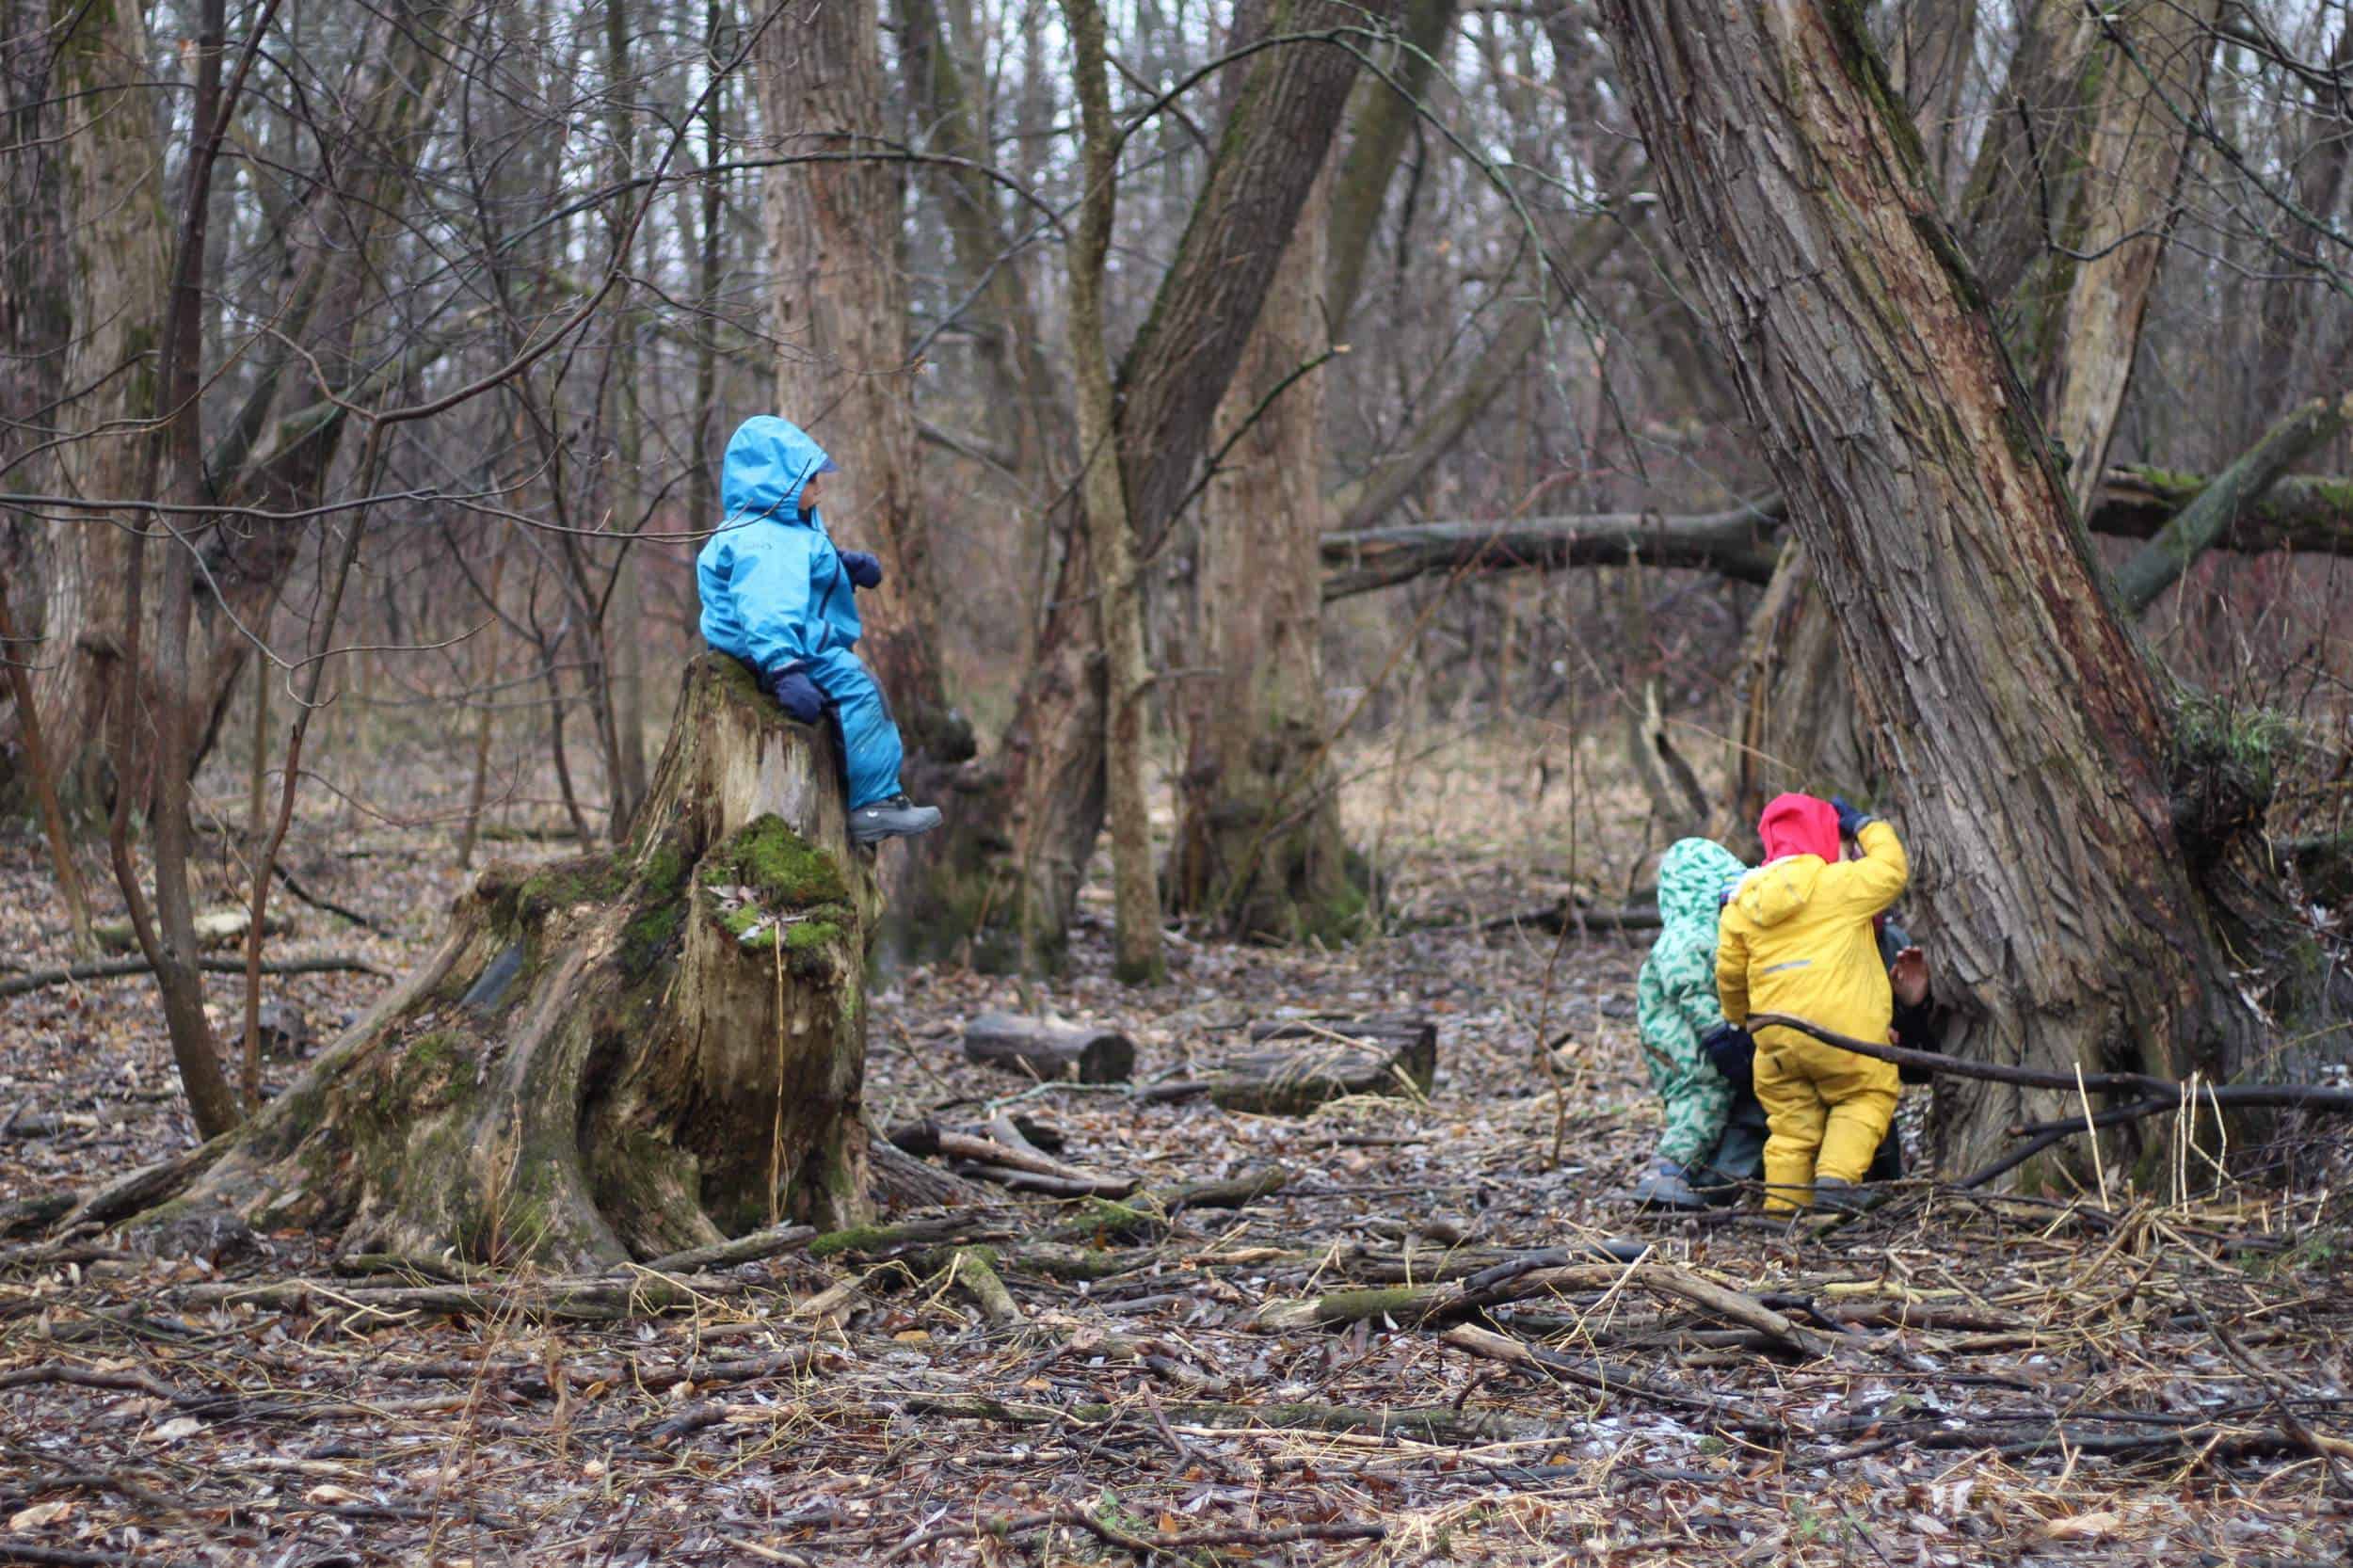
<point x="1795" y="937"/>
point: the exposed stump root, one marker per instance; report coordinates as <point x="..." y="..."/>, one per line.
<point x="619" y="1056"/>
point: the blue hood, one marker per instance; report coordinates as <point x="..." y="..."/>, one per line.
<point x="768" y="461"/>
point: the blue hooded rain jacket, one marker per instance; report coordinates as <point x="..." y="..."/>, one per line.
<point x="776" y="597"/>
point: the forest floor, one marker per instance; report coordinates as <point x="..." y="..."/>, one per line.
<point x="1953" y="1380"/>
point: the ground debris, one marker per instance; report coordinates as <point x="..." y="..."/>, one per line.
<point x="1536" y="1377"/>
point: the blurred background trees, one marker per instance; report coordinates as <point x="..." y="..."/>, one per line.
<point x="367" y="368"/>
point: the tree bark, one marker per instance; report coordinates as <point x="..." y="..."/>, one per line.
<point x="1046" y="786"/>
<point x="1258" y="848"/>
<point x="618" y="1056"/>
<point x="1799" y="726"/>
<point x="2027" y="736"/>
<point x="2299" y="338"/>
<point x="1385" y="121"/>
<point x="1023" y="406"/>
<point x="112" y="173"/>
<point x="278" y="447"/>
<point x="2027" y="165"/>
<point x="2150" y="86"/>
<point x="1118" y="588"/>
<point x="840" y="298"/>
<point x="1928" y="46"/>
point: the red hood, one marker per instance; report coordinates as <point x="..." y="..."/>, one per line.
<point x="1798" y="825"/>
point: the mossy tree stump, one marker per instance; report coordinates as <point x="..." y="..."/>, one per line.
<point x="621" y="1055"/>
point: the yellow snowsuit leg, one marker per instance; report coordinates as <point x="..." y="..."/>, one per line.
<point x="1827" y="1110"/>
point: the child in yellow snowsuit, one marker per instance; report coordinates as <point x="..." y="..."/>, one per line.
<point x="1797" y="937"/>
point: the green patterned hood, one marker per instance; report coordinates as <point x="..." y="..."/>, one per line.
<point x="1692" y="876"/>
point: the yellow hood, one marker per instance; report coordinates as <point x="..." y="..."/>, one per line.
<point x="1772" y="893"/>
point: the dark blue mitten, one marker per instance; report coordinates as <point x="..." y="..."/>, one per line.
<point x="1850" y="821"/>
<point x="1731" y="1053"/>
<point x="797" y="694"/>
<point x="864" y="569"/>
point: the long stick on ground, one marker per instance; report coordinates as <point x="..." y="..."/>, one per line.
<point x="2159" y="1093"/>
<point x="107" y="969"/>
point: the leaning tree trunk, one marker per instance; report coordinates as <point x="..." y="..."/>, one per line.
<point x="1258" y="847"/>
<point x="2116" y="145"/>
<point x="617" y="1056"/>
<point x="2027" y="733"/>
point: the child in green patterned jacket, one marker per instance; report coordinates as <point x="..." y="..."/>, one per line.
<point x="1675" y="1006"/>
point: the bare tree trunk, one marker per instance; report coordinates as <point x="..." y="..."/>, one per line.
<point x="2117" y="142"/>
<point x="2028" y="736"/>
<point x="1258" y="846"/>
<point x="1024" y="400"/>
<point x="487" y="666"/>
<point x="44" y="787"/>
<point x="113" y="179"/>
<point x="1119" y="594"/>
<point x="842" y="372"/>
<point x="1929" y="47"/>
<point x="2033" y="147"/>
<point x="1384" y="118"/>
<point x="619" y="615"/>
<point x="612" y="1057"/>
<point x="1799" y="727"/>
<point x="1046" y="787"/>
<point x="2151" y="84"/>
<point x="2299" y="339"/>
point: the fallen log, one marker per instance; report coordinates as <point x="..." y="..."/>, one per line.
<point x="1736" y="544"/>
<point x="215" y="928"/>
<point x="2307" y="513"/>
<point x="1049" y="1051"/>
<point x="1325" y="1059"/>
<point x="108" y="968"/>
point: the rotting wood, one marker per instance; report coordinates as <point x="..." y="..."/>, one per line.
<point x="1051" y="1050"/>
<point x="1327" y="1060"/>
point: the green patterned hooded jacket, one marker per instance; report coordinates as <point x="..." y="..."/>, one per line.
<point x="1675" y="996"/>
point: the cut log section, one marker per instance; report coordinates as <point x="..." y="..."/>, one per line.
<point x="1319" y="1059"/>
<point x="1051" y="1051"/>
<point x="215" y="928"/>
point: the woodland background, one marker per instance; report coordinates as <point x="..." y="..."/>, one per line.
<point x="1340" y="501"/>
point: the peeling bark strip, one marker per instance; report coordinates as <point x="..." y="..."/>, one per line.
<point x="619" y="1056"/>
<point x="2025" y="732"/>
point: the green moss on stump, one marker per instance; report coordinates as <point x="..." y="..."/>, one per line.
<point x="785" y="869"/>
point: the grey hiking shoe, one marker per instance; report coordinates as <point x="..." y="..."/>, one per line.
<point x="1838" y="1195"/>
<point x="1664" y="1186"/>
<point x="896" y="818"/>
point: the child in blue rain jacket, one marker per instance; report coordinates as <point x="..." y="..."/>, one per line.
<point x="777" y="596"/>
